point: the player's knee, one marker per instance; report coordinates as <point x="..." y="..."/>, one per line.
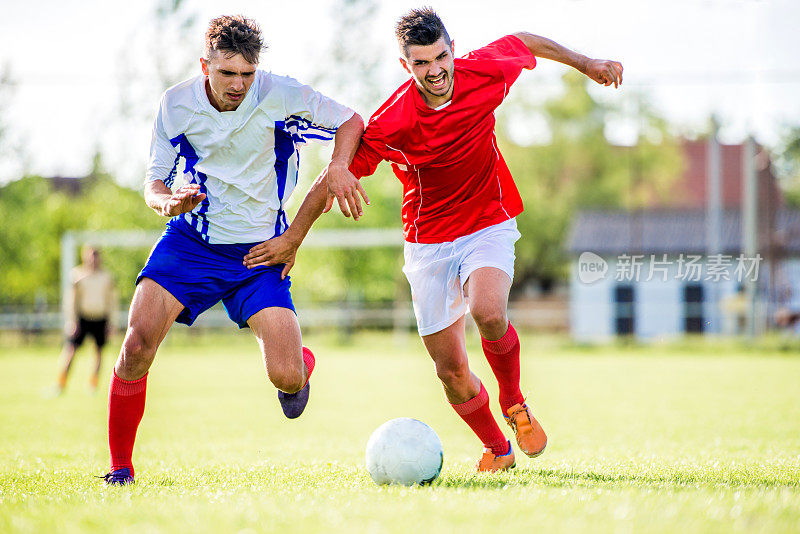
<point x="138" y="351"/>
<point x="287" y="381"/>
<point x="136" y="344"/>
<point x="453" y="375"/>
<point x="489" y="317"/>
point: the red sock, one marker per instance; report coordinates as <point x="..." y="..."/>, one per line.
<point x="476" y="413"/>
<point x="503" y="356"/>
<point x="308" y="359"/>
<point x="125" y="411"/>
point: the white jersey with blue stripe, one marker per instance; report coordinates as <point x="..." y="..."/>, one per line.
<point x="246" y="161"/>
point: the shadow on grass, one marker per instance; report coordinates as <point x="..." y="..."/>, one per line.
<point x="562" y="478"/>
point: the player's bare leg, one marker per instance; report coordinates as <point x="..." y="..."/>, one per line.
<point x="487" y="290"/>
<point x="449" y="352"/>
<point x="65" y="363"/>
<point x="98" y="360"/>
<point x="289" y="365"/>
<point x="466" y="394"/>
<point x="152" y="312"/>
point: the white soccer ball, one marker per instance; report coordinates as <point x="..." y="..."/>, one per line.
<point x="404" y="451"/>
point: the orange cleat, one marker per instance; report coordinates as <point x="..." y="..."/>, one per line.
<point x="530" y="436"/>
<point x="489" y="463"/>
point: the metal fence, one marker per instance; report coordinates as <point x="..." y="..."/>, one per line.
<point x="345" y="315"/>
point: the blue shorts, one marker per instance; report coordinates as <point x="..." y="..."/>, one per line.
<point x="200" y="274"/>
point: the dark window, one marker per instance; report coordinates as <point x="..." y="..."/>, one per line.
<point x="624" y="326"/>
<point x="693" y="298"/>
<point x="693" y="293"/>
<point x="623" y="293"/>
<point x="624" y="310"/>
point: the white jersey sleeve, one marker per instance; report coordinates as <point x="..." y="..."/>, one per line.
<point x="163" y="155"/>
<point x="310" y="115"/>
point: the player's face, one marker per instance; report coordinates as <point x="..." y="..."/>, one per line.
<point x="432" y="68"/>
<point x="91" y="258"/>
<point x="229" y="78"/>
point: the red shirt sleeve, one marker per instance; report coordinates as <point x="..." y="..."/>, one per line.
<point x="509" y="54"/>
<point x="371" y="152"/>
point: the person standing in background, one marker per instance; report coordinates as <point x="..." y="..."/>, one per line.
<point x="88" y="310"/>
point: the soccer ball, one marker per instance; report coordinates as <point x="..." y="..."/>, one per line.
<point x="404" y="451"/>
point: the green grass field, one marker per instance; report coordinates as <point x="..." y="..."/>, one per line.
<point x="696" y="437"/>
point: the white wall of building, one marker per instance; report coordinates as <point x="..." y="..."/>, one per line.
<point x="660" y="311"/>
<point x="591" y="305"/>
<point x="659" y="307"/>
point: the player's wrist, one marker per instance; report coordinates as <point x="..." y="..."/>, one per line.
<point x="294" y="236"/>
<point x="582" y="64"/>
<point x="338" y="165"/>
<point x="165" y="207"/>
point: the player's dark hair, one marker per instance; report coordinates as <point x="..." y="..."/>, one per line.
<point x="234" y="34"/>
<point x="420" y="27"/>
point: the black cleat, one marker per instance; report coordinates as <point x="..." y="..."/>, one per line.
<point x="293" y="404"/>
<point x="118" y="477"/>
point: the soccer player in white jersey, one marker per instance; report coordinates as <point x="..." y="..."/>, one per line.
<point x="233" y="135"/>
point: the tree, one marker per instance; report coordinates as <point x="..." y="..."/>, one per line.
<point x="364" y="274"/>
<point x="34" y="216"/>
<point x="354" y="55"/>
<point x="787" y="165"/>
<point x="578" y="168"/>
<point x="12" y="155"/>
<point x="159" y="53"/>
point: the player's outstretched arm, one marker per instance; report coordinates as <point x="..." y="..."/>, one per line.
<point x="602" y="71"/>
<point x="283" y="249"/>
<point x="342" y="184"/>
<point x="164" y="202"/>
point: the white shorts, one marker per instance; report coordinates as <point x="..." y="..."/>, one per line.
<point x="437" y="272"/>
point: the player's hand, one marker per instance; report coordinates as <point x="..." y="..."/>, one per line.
<point x="274" y="251"/>
<point x="183" y="200"/>
<point x="345" y="188"/>
<point x="605" y="72"/>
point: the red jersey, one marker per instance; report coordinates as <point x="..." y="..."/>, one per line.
<point x="455" y="182"/>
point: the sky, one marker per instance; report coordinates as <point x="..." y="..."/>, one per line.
<point x="74" y="64"/>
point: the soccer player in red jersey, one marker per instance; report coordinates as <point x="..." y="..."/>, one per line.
<point x="459" y="204"/>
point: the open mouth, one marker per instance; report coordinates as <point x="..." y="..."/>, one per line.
<point x="439" y="82"/>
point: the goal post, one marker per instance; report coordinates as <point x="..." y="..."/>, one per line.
<point x="324" y="238"/>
